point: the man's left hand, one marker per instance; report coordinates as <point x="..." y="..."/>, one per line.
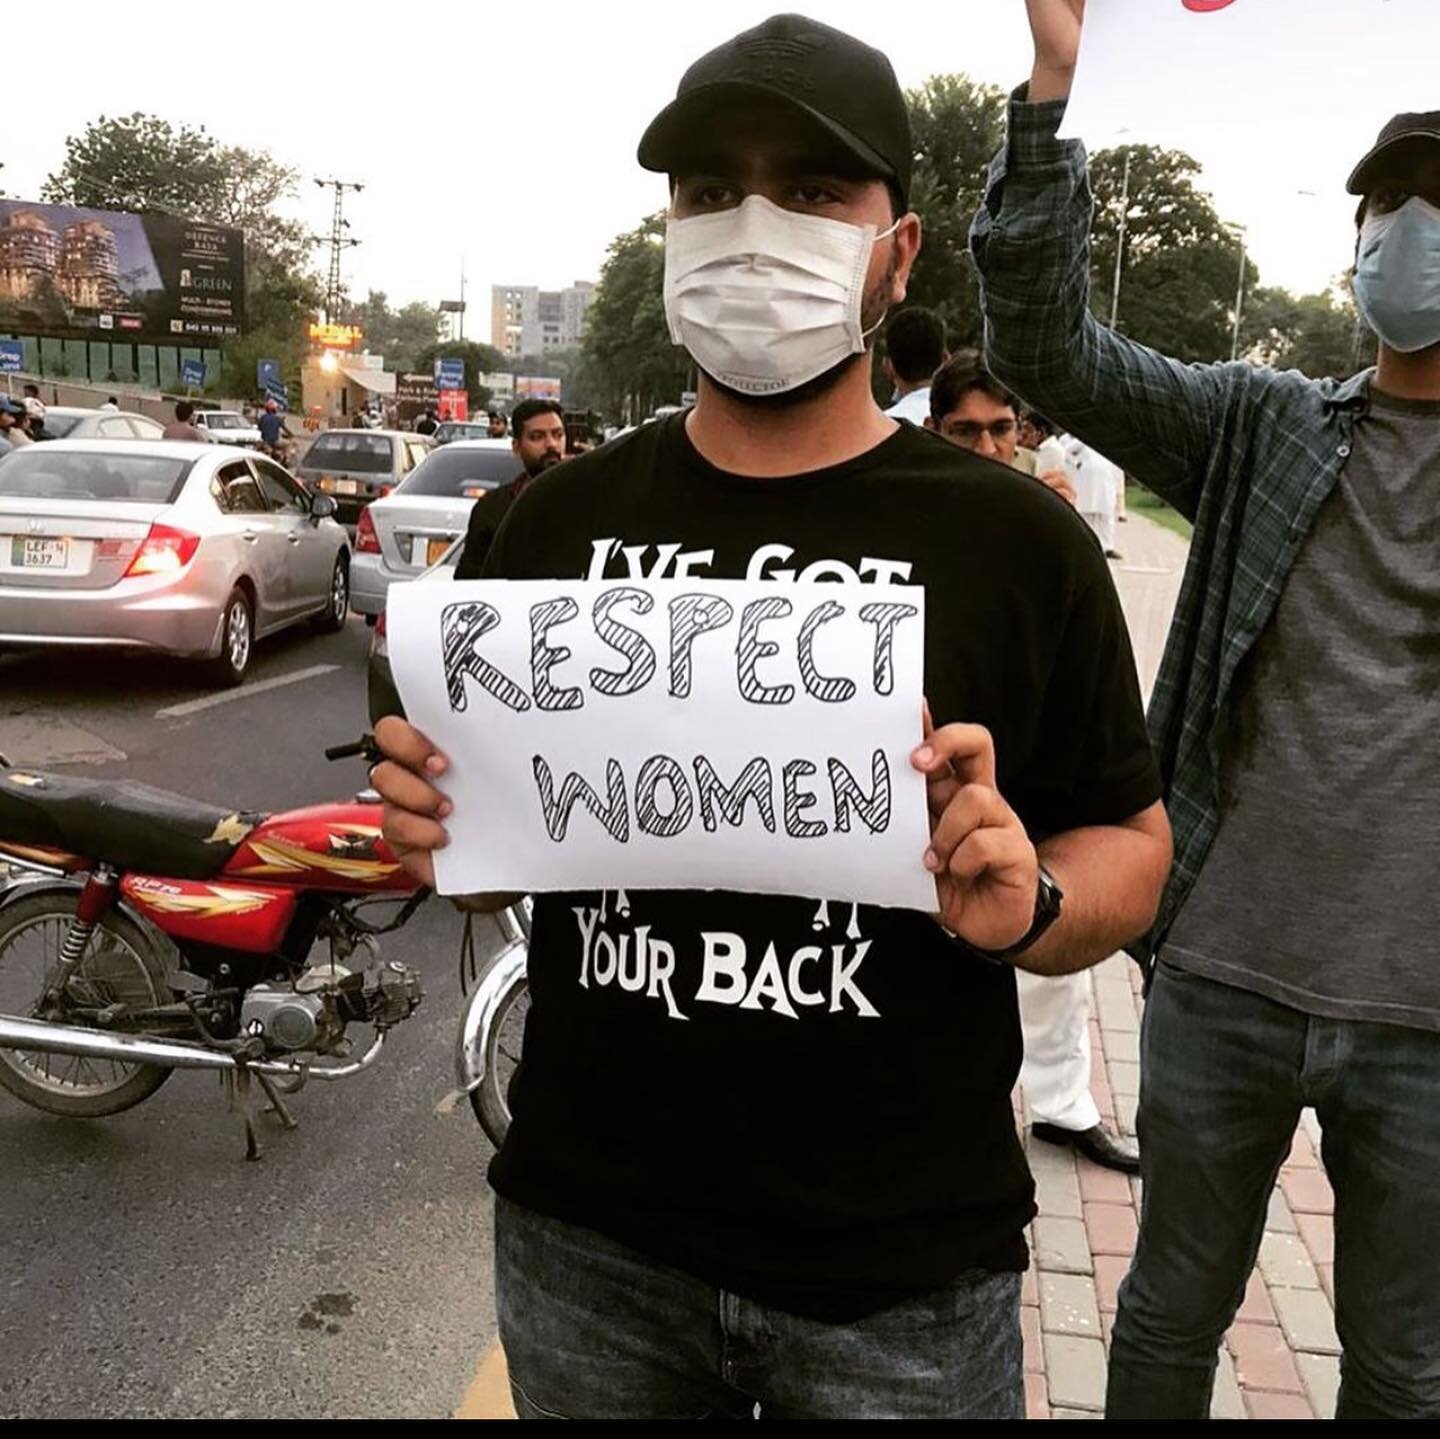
<point x="986" y="870"/>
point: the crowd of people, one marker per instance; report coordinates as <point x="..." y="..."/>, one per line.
<point x="823" y="1215"/>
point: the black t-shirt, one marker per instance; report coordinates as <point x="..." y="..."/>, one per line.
<point x="486" y="516"/>
<point x="843" y="1138"/>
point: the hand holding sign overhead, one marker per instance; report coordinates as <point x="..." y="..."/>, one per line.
<point x="1055" y="26"/>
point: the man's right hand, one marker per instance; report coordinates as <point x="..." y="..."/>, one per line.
<point x="1059" y="481"/>
<point x="413" y="806"/>
<point x="1055" y="26"/>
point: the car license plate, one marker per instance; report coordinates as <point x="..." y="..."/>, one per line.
<point x="28" y="554"/>
<point x="345" y="487"/>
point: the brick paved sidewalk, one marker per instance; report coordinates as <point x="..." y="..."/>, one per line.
<point x="1280" y="1359"/>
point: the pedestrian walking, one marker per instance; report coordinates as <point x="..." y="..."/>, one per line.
<point x="182" y="427"/>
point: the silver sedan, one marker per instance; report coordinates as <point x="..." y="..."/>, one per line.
<point x="403" y="534"/>
<point x="70" y="422"/>
<point x="187" y="549"/>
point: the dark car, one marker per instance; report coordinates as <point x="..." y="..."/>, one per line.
<point x="357" y="466"/>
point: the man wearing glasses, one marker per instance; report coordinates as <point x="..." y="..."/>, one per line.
<point x="972" y="409"/>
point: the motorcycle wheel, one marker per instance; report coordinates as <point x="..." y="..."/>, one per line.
<point x="120" y="966"/>
<point x="491" y="1101"/>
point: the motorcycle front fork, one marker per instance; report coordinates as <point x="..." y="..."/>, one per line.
<point x="94" y="903"/>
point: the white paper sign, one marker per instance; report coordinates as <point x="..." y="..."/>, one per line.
<point x="1275" y="72"/>
<point x="672" y="734"/>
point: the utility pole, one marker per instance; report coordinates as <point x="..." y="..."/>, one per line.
<point x="338" y="240"/>
<point x="1120" y="243"/>
<point x="462" y="297"/>
<point x="1239" y="295"/>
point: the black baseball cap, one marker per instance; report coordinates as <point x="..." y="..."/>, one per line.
<point x="1409" y="131"/>
<point x="845" y="86"/>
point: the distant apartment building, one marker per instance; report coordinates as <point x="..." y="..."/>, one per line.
<point x="526" y="320"/>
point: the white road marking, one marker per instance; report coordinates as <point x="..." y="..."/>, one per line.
<point x="244" y="692"/>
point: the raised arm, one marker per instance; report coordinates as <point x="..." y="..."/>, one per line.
<point x="1157" y="418"/>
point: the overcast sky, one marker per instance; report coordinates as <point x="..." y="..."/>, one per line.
<point x="507" y="133"/>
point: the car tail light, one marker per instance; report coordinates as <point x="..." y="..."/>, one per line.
<point x="164" y="551"/>
<point x="385" y="490"/>
<point x="367" y="542"/>
<point x="381" y="628"/>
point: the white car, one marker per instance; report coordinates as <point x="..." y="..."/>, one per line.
<point x="186" y="549"/>
<point x="403" y="534"/>
<point x="70" y="422"/>
<point x="227" y="427"/>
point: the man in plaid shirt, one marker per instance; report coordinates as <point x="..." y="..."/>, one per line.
<point x="1293" y="960"/>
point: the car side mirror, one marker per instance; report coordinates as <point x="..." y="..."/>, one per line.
<point x="322" y="507"/>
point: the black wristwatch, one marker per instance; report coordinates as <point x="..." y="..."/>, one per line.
<point x="1048" y="899"/>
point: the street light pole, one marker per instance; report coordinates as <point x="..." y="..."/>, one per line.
<point x="1239" y="298"/>
<point x="1120" y="243"/>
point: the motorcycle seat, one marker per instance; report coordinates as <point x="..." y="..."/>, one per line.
<point x="131" y="826"/>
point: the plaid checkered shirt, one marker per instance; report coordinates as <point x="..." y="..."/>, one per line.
<point x="1248" y="454"/>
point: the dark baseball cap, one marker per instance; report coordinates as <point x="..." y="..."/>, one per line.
<point x="847" y="88"/>
<point x="1410" y="131"/>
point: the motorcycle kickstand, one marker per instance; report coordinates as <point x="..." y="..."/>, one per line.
<point x="278" y="1107"/>
<point x="238" y="1083"/>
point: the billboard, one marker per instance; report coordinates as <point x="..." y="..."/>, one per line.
<point x="12" y="357"/>
<point x="449" y="374"/>
<point x="102" y="274"/>
<point x="536" y="387"/>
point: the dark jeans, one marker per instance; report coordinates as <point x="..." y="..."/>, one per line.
<point x="1224" y="1074"/>
<point x="593" y="1330"/>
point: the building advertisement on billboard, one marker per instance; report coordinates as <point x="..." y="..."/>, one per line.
<point x="71" y="271"/>
<point x="536" y="387"/>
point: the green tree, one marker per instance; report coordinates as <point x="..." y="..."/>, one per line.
<point x="1181" y="265"/>
<point x="142" y="163"/>
<point x="957" y="126"/>
<point x="400" y="335"/>
<point x="1321" y="335"/>
<point x="479" y="360"/>
<point x="628" y="361"/>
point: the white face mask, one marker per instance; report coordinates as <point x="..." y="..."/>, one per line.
<point x="765" y="299"/>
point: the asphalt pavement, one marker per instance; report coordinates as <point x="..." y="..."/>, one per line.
<point x="147" y="1270"/>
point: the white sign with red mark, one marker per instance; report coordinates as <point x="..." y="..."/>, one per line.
<point x="1179" y="72"/>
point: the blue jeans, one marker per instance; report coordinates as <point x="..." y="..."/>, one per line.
<point x="593" y="1330"/>
<point x="1224" y="1074"/>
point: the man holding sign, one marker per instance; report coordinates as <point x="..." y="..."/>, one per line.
<point x="762" y="1149"/>
<point x="1293" y="960"/>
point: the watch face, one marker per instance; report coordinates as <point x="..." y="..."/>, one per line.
<point x="1050" y="894"/>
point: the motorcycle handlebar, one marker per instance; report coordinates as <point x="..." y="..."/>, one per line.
<point x="365" y="746"/>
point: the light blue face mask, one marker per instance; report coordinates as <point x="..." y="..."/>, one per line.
<point x="1397" y="275"/>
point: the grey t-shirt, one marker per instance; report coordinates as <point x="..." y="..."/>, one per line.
<point x="1322" y="887"/>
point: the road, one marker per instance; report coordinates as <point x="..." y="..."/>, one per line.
<point x="147" y="1270"/>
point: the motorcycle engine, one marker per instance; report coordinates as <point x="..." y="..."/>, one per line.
<point x="311" y="1013"/>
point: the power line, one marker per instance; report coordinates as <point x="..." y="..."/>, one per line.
<point x="338" y="240"/>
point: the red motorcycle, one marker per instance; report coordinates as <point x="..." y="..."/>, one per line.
<point x="143" y="932"/>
